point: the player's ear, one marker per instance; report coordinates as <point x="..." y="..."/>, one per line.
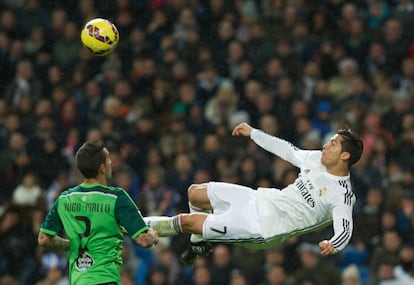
<point x="102" y="168"/>
<point x="345" y="155"/>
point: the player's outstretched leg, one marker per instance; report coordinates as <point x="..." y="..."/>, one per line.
<point x="198" y="203"/>
<point x="181" y="223"/>
<point x="165" y="226"/>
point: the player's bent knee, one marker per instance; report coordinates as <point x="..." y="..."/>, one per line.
<point x="193" y="191"/>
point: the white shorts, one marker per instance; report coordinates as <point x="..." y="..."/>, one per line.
<point x="235" y="217"/>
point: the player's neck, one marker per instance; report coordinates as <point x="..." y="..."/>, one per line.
<point x="337" y="170"/>
<point x="97" y="180"/>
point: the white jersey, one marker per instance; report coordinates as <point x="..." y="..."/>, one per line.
<point x="315" y="199"/>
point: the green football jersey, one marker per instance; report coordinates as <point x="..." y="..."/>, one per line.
<point x="94" y="218"/>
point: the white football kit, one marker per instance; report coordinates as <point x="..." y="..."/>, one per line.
<point x="266" y="217"/>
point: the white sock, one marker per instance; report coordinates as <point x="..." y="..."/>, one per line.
<point x="165" y="226"/>
<point x="194" y="238"/>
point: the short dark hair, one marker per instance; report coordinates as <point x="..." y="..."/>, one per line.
<point x="351" y="143"/>
<point x="89" y="158"/>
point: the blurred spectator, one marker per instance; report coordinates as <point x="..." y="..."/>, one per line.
<point x="222" y="105"/>
<point x="202" y="276"/>
<point x="350" y="276"/>
<point x="177" y="139"/>
<point x="368" y="216"/>
<point x="222" y="265"/>
<point x="387" y="251"/>
<point x="126" y="178"/>
<point x="28" y="193"/>
<point x="35" y="42"/>
<point x="377" y="13"/>
<point x="157" y="27"/>
<point x="157" y="198"/>
<point x="322" y="120"/>
<point x="247" y="171"/>
<point x="134" y="269"/>
<point x="340" y="85"/>
<point x="315" y="269"/>
<point x="58" y="185"/>
<point x="376" y="60"/>
<point x="180" y="176"/>
<point x="54" y="268"/>
<point x="285" y="52"/>
<point x="284" y="100"/>
<point x="48" y="162"/>
<point x="357" y="40"/>
<point x="17" y="249"/>
<point x="276" y="275"/>
<point x="24" y="84"/>
<point x="395" y="43"/>
<point x="158" y="276"/>
<point x="90" y="102"/>
<point x="392" y="119"/>
<point x="127" y="277"/>
<point x="387" y="275"/>
<point x="14" y="163"/>
<point x="259" y="48"/>
<point x="165" y="258"/>
<point x="238" y="279"/>
<point x="66" y="49"/>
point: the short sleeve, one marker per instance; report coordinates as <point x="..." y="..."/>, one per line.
<point x="128" y="215"/>
<point x="52" y="224"/>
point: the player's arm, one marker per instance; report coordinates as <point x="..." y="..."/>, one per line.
<point x="275" y="145"/>
<point x="148" y="238"/>
<point x="48" y="234"/>
<point x="342" y="225"/>
<point x="53" y="242"/>
<point x="129" y="216"/>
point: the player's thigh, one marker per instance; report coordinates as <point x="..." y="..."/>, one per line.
<point x="238" y="223"/>
<point x="223" y="195"/>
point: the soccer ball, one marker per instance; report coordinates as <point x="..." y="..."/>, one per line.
<point x="100" y="36"/>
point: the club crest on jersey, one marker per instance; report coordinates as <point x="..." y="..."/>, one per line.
<point x="83" y="262"/>
<point x="322" y="191"/>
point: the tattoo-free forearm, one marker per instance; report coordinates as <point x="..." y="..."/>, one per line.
<point x="53" y="243"/>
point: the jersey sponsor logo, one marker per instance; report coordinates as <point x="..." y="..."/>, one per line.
<point x="223" y="232"/>
<point x="83" y="262"/>
<point x="304" y="190"/>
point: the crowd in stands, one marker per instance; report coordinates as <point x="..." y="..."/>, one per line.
<point x="165" y="102"/>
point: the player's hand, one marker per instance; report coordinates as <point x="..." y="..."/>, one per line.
<point x="147" y="239"/>
<point x="326" y="248"/>
<point x="243" y="129"/>
<point x="154" y="235"/>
